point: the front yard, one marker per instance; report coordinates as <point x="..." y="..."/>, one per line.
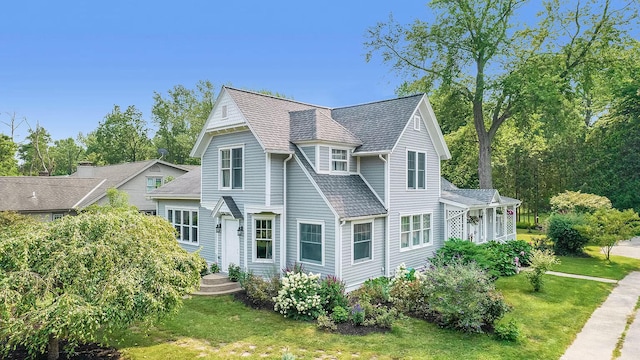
<point x="213" y="328"/>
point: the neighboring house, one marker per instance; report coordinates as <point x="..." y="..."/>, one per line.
<point x="51" y="197"/>
<point x="351" y="192"/>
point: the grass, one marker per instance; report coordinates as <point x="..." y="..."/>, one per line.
<point x="218" y="327"/>
<point x="529" y="235"/>
<point x="596" y="265"/>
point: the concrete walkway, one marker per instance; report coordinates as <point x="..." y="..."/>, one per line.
<point x="601" y="333"/>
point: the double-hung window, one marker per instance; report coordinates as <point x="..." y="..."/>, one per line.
<point x="416" y="170"/>
<point x="185" y="221"/>
<point x="311" y="242"/>
<point x="153" y="182"/>
<point x="415" y="230"/>
<point x="339" y="160"/>
<point x="231" y="168"/>
<point x="362" y="241"/>
<point x="263" y="230"/>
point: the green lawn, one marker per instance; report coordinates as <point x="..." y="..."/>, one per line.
<point x="596" y="265"/>
<point x="213" y="328"/>
<point x="529" y="235"/>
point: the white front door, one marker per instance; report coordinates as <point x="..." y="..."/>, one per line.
<point x="230" y="243"/>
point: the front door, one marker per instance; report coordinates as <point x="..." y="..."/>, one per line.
<point x="230" y="243"/>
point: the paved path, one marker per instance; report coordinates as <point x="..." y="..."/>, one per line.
<point x="600" y="334"/>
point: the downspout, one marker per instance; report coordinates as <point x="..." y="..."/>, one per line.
<point x="339" y="251"/>
<point x="283" y="222"/>
<point x="387" y="245"/>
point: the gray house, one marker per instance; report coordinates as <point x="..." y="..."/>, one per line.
<point x="352" y="191"/>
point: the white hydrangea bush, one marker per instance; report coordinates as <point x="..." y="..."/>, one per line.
<point x="299" y="296"/>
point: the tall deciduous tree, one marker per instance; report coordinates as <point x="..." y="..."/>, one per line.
<point x="83" y="277"/>
<point x="66" y="153"/>
<point x="8" y="162"/>
<point x="34" y="152"/>
<point x="180" y="116"/>
<point x="121" y="137"/>
<point x="473" y="48"/>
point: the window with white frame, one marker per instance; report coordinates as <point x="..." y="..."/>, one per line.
<point x="153" y="182"/>
<point x="416" y="122"/>
<point x="416" y="170"/>
<point x="263" y="238"/>
<point x="415" y="230"/>
<point x="362" y="241"/>
<point x="339" y="160"/>
<point x="57" y="216"/>
<point x="185" y="221"/>
<point x="311" y="242"/>
<point x="224" y="112"/>
<point x="231" y="168"/>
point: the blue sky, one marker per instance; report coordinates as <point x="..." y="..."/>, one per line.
<point x="65" y="64"/>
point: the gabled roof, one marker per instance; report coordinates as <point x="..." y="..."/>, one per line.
<point x="117" y="175"/>
<point x="45" y="193"/>
<point x="473" y="197"/>
<point x="348" y="195"/>
<point x="186" y="186"/>
<point x="317" y="125"/>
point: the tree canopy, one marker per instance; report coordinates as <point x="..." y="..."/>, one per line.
<point x="8" y="161"/>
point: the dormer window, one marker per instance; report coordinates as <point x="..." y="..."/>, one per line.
<point x="416" y="122"/>
<point x="224" y="111"/>
<point x="339" y="160"/>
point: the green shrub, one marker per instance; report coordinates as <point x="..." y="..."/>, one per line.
<point x="541" y="261"/>
<point x="563" y="231"/>
<point x="340" y="314"/>
<point x="326" y="323"/>
<point x="381" y="316"/>
<point x="204" y="268"/>
<point x="499" y="259"/>
<point x="234" y="272"/>
<point x="542" y="243"/>
<point x="215" y="268"/>
<point x="299" y="296"/>
<point x="373" y="290"/>
<point x="332" y="292"/>
<point x="260" y="291"/>
<point x="577" y="202"/>
<point x="524" y="225"/>
<point x="508" y="332"/>
<point x="467" y="251"/>
<point x="357" y="314"/>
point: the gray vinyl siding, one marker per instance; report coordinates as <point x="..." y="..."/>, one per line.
<point x="277" y="178"/>
<point x="372" y="170"/>
<point x="310" y="152"/>
<point x="403" y="201"/>
<point x="355" y="274"/>
<point x="325" y="159"/>
<point x="207" y="239"/>
<point x="353" y="162"/>
<point x="305" y="203"/>
<point x="262" y="267"/>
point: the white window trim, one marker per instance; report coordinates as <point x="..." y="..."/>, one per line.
<point x="147" y="177"/>
<point x="353" y="260"/>
<point x="348" y="151"/>
<point x="184" y="208"/>
<point x="224" y="112"/>
<point x="416" y="122"/>
<point x="422" y="243"/>
<point x="254" y="242"/>
<point x="406" y="170"/>
<point x="244" y="169"/>
<point x="322" y="243"/>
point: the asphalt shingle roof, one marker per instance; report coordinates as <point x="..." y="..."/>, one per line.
<point x="349" y="195"/>
<point x="317" y="124"/>
<point x="44" y="193"/>
<point x="231" y="204"/>
<point x="187" y="185"/>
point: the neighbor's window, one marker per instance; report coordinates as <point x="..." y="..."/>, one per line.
<point x="310" y="236"/>
<point x="338" y="160"/>
<point x="415" y="230"/>
<point x="263" y="239"/>
<point x="231" y="174"/>
<point x="185" y="221"/>
<point x="362" y="241"/>
<point x="153" y="182"/>
<point x="416" y="170"/>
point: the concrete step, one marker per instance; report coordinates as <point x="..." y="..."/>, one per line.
<point x="214" y="279"/>
<point x="219" y="287"/>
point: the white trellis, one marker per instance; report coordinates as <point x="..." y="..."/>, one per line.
<point x="455" y="223"/>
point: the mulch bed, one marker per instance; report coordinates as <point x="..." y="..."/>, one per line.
<point x="91" y="351"/>
<point x="343" y="328"/>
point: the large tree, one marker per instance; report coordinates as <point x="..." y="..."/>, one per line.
<point x="82" y="277"/>
<point x="34" y="152"/>
<point x="473" y="48"/>
<point x="8" y="162"/>
<point x="66" y="153"/>
<point x="179" y="116"/>
<point x="121" y="137"/>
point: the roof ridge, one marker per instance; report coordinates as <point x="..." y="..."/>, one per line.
<point x="275" y="97"/>
<point x="378" y="101"/>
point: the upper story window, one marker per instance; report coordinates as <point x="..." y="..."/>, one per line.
<point x="415" y="230"/>
<point x="231" y="168"/>
<point x="225" y="113"/>
<point x="339" y="160"/>
<point x="416" y="170"/>
<point x="153" y="182"/>
<point x="416" y="122"/>
<point x="185" y="221"/>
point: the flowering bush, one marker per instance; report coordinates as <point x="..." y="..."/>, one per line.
<point x="357" y="314"/>
<point x="332" y="291"/>
<point x="541" y="261"/>
<point x="299" y="296"/>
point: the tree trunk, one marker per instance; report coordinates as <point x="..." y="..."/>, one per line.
<point x="484" y="161"/>
<point x="53" y="348"/>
